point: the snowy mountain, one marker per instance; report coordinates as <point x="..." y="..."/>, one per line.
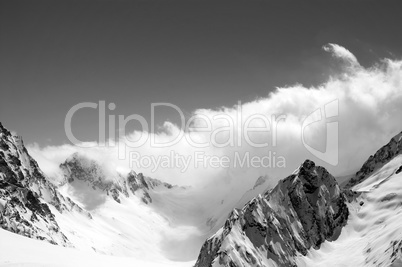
<point x="305" y="220"/>
<point x="90" y="209"/>
<point x="93" y="208"/>
<point x="373" y="234"/>
<point x="80" y="172"/>
<point x="26" y="195"/>
<point x="301" y="212"/>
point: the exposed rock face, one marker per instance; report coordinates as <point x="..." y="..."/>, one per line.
<point x="80" y="167"/>
<point x="379" y="159"/>
<point x="25" y="194"/>
<point x="300" y="213"/>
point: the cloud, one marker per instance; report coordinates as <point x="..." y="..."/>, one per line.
<point x="370" y="104"/>
<point x="342" y="53"/>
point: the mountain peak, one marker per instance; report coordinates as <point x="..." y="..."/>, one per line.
<point x="308" y="165"/>
<point x="78" y="167"/>
<point x="4" y="130"/>
<point x="300" y="213"/>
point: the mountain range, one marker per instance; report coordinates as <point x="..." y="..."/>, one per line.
<point x="307" y="219"/>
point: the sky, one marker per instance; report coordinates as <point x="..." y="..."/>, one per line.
<point x="194" y="54"/>
<point x="210" y="59"/>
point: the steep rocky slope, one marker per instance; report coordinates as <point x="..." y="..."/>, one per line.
<point x="300" y="213"/>
<point x="376" y="161"/>
<point x="25" y="194"/>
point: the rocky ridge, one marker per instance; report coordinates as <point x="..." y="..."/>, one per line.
<point x="376" y="161"/>
<point x="116" y="185"/>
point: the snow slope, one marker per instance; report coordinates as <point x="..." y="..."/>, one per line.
<point x="138" y="216"/>
<point x="21" y="251"/>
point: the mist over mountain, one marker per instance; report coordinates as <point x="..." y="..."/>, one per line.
<point x="89" y="198"/>
<point x="367" y="117"/>
<point x="94" y="209"/>
<point x="200" y="133"/>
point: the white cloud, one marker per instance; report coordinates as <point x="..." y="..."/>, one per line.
<point x="370" y="108"/>
<point x="342" y="53"/>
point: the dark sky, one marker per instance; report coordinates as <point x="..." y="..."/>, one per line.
<point x="194" y="54"/>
